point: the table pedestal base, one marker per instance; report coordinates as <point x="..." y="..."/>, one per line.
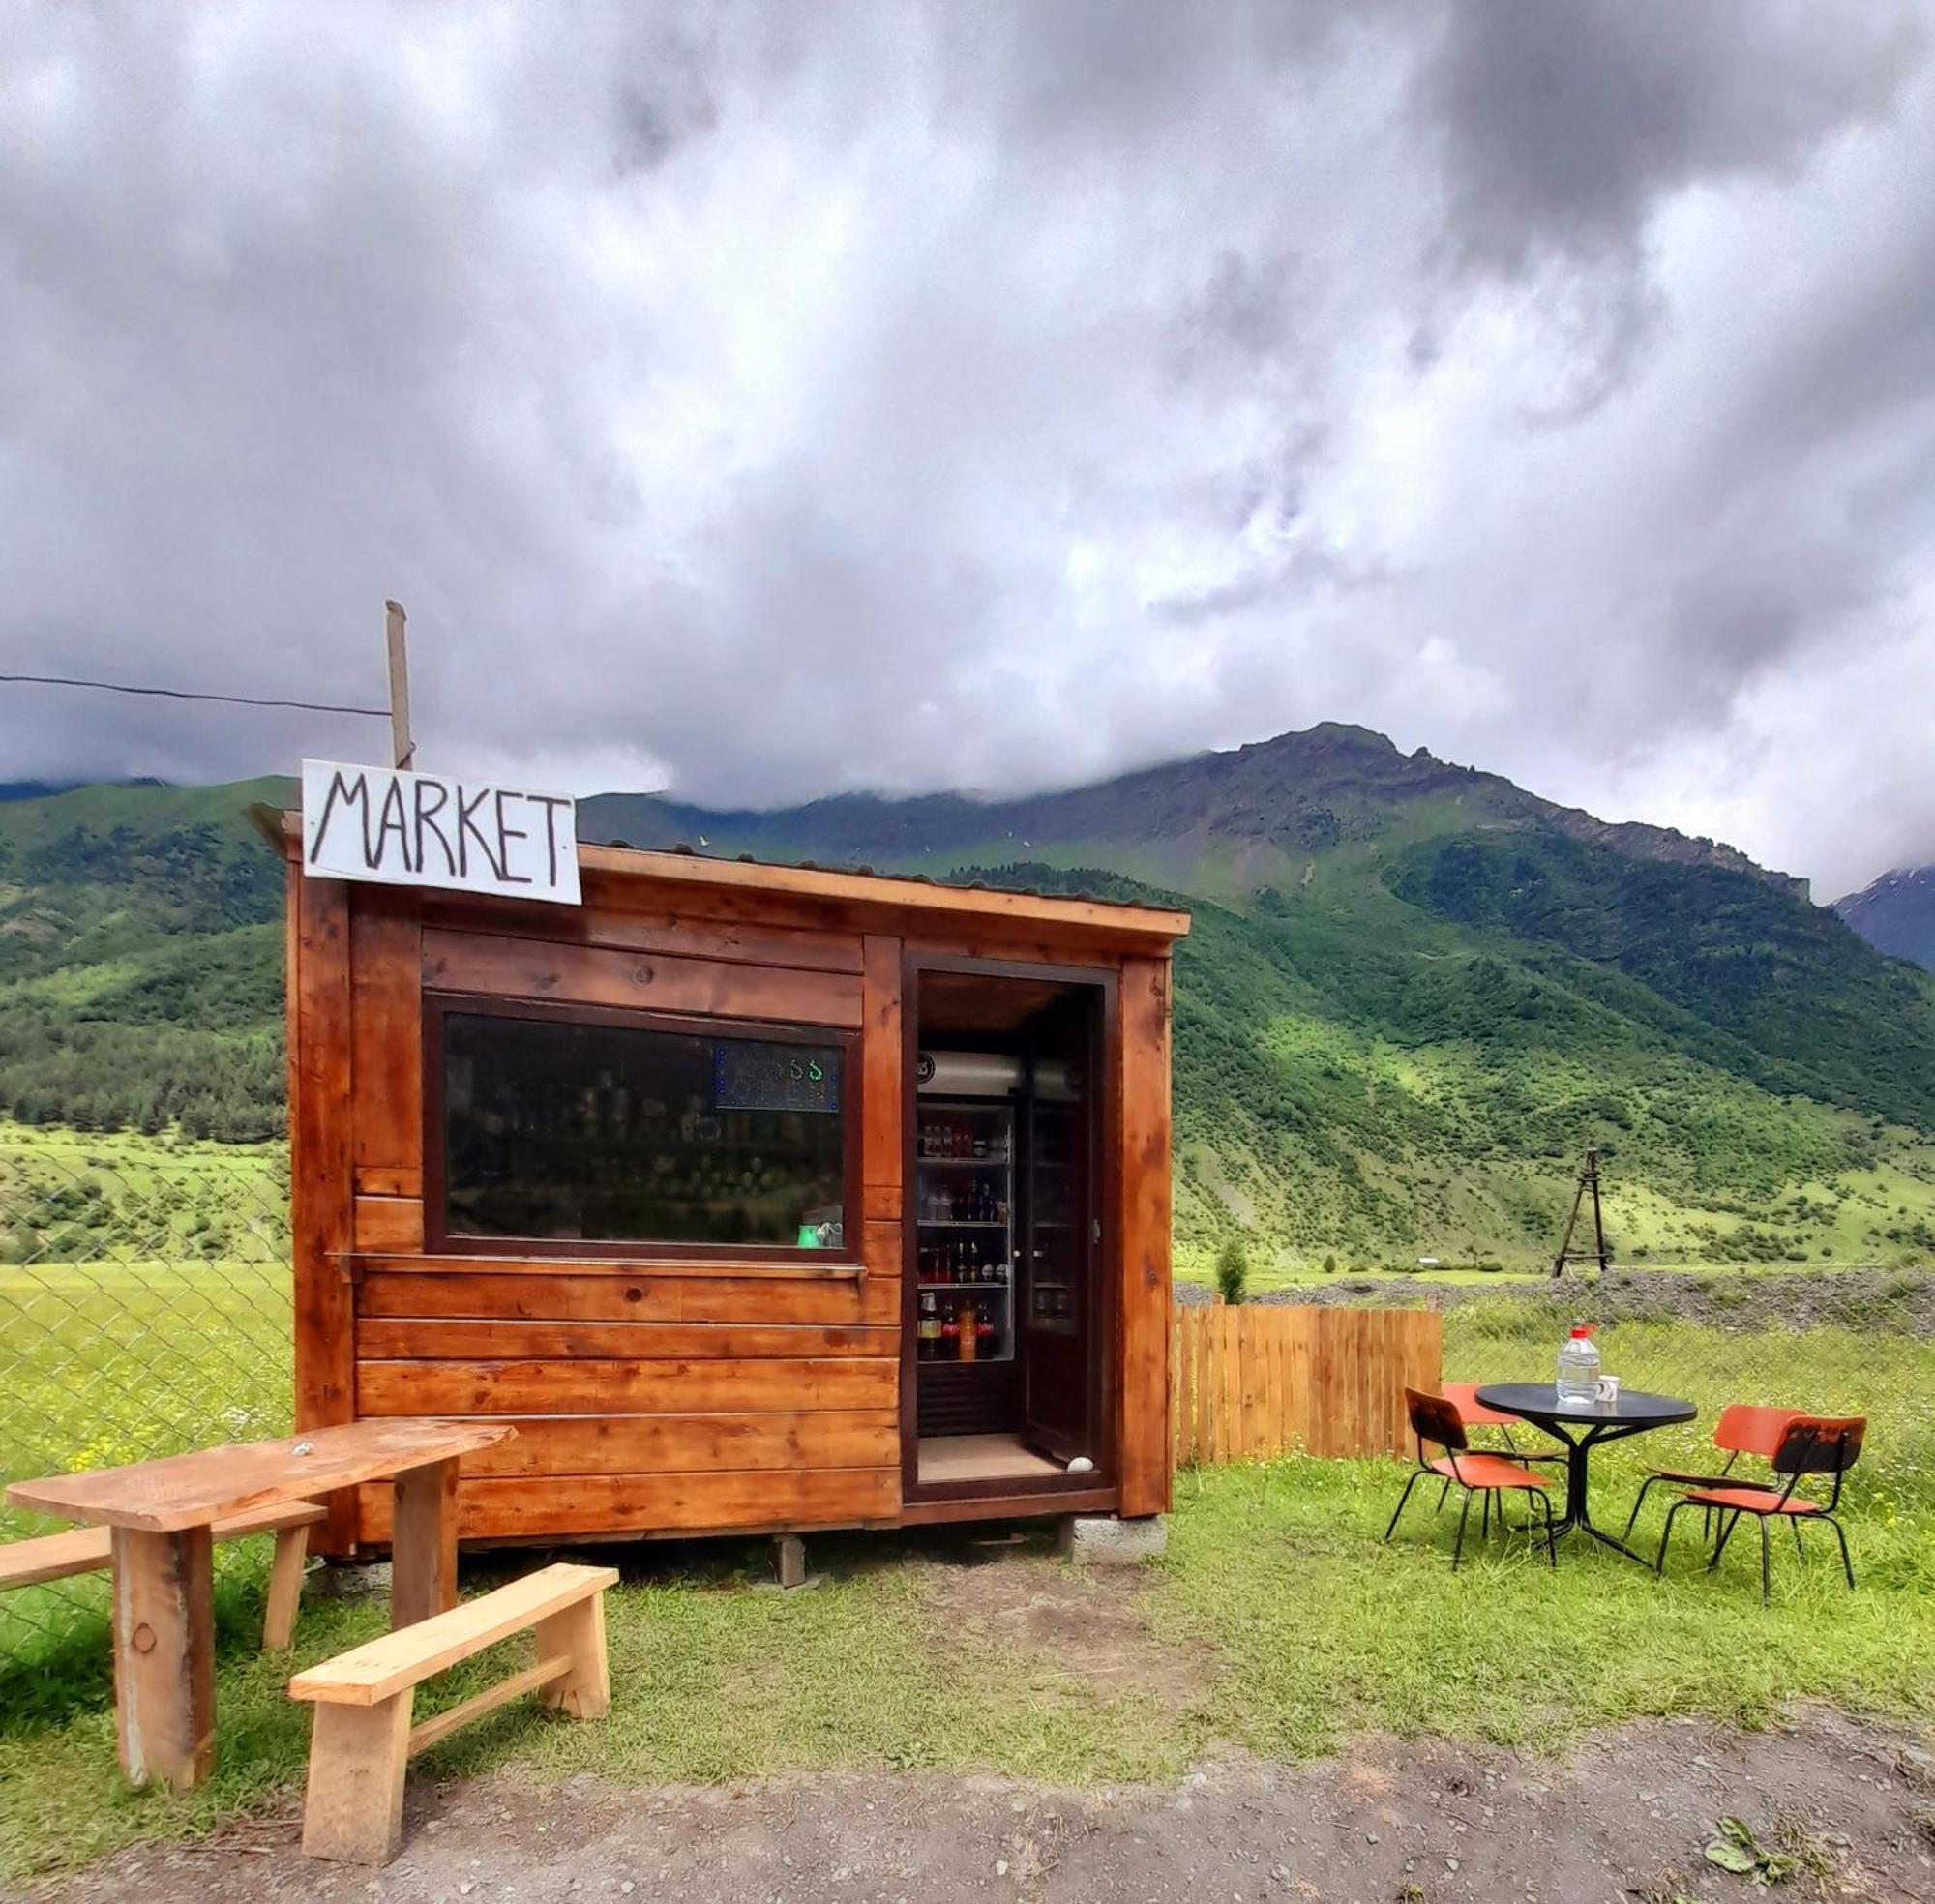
<point x="1578" y="1515"/>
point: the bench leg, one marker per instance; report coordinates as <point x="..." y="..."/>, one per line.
<point x="357" y="1757"/>
<point x="423" y="1544"/>
<point x="578" y="1633"/>
<point x="164" y="1655"/>
<point x="285" y="1585"/>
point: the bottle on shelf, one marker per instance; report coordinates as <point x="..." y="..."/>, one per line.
<point x="963" y="1331"/>
<point x="929" y="1345"/>
<point x="984" y="1332"/>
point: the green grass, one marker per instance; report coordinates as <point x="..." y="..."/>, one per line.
<point x="1278" y="1604"/>
<point x="1321" y="1630"/>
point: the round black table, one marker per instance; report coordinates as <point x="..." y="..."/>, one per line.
<point x="1582" y="1426"/>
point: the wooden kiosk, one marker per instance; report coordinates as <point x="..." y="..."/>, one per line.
<point x="759" y="1198"/>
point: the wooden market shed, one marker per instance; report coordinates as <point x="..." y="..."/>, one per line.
<point x="760" y="1197"/>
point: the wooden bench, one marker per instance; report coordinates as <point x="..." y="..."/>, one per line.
<point x="90" y="1550"/>
<point x="363" y="1737"/>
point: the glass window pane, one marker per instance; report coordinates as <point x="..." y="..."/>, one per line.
<point x="556" y="1129"/>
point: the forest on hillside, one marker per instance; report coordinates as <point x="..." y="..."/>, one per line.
<point x="1406" y="1053"/>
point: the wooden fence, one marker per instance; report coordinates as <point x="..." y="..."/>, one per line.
<point x="1254" y="1380"/>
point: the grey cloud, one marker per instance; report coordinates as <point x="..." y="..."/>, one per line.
<point x="788" y="400"/>
<point x="1564" y="126"/>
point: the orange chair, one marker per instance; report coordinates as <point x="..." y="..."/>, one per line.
<point x="1810" y="1444"/>
<point x="1741" y="1429"/>
<point x="1474" y="1414"/>
<point x="1436" y="1421"/>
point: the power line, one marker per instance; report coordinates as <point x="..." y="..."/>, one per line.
<point x="185" y="693"/>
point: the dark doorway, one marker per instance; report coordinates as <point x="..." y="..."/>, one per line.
<point x="1005" y="1312"/>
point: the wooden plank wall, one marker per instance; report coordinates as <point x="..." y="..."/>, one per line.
<point x="1260" y="1380"/>
<point x="654" y="1397"/>
<point x="676" y="1395"/>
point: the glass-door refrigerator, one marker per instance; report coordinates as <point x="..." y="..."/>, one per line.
<point x="964" y="1216"/>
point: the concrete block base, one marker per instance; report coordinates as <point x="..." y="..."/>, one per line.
<point x="789" y="1560"/>
<point x="1103" y="1540"/>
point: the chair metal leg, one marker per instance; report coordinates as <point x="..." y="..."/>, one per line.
<point x="1638" y="1502"/>
<point x="1728" y="1523"/>
<point x="1441" y="1493"/>
<point x="1551" y="1536"/>
<point x="1766" y="1576"/>
<point x="1485" y="1516"/>
<point x="1464" y="1515"/>
<point x="1415" y="1475"/>
<point x="1665" y="1536"/>
<point x="1847" y="1566"/>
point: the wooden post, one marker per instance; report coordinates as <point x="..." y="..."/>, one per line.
<point x="1141" y="1227"/>
<point x="321" y="1185"/>
<point x="357" y="1759"/>
<point x="423" y="1543"/>
<point x="401" y="746"/>
<point x="285" y="1585"/>
<point x="579" y="1634"/>
<point x="165" y="1654"/>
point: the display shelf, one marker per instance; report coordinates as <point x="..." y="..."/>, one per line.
<point x="991" y="1177"/>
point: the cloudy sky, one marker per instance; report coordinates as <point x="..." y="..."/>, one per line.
<point x="770" y="400"/>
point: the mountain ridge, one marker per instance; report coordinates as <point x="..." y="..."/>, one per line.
<point x="1414" y="993"/>
<point x="1895" y="915"/>
<point x="1295" y="792"/>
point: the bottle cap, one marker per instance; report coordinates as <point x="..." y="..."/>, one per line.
<point x="1581" y="1330"/>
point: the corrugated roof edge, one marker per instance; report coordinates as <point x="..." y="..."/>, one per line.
<point x="282" y="829"/>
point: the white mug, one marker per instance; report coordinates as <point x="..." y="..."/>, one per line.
<point x="1609" y="1387"/>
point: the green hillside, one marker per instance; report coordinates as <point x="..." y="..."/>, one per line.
<point x="1413" y="996"/>
<point x="140" y="961"/>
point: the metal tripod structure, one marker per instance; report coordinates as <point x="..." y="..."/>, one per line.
<point x="1588" y="1184"/>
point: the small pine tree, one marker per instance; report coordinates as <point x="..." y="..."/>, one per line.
<point x="1330" y="1265"/>
<point x="1233" y="1270"/>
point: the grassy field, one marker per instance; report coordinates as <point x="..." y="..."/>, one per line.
<point x="144" y="1308"/>
<point x="1278" y="1624"/>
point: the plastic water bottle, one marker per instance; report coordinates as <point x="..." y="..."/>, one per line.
<point x="1579" y="1367"/>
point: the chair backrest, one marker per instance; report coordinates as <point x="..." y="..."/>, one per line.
<point x="1744" y="1429"/>
<point x="1435" y="1419"/>
<point x="1819" y="1445"/>
<point x="1472" y="1413"/>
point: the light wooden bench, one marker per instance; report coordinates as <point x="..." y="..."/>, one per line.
<point x="90" y="1550"/>
<point x="363" y="1737"/>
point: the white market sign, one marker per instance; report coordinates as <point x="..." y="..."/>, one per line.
<point x="410" y="829"/>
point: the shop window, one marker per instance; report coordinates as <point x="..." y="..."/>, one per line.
<point x="565" y="1129"/>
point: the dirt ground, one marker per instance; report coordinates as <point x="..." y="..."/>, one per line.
<point x="1390" y="1823"/>
<point x="1004" y="1596"/>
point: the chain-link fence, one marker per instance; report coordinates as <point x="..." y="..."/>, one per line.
<point x="145" y="1309"/>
